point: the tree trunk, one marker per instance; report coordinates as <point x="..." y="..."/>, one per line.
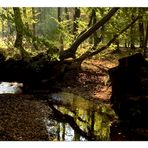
<point x="34" y="28"/>
<point x="25" y="16"/>
<point x="19" y="28"/>
<point x="132" y="34"/>
<point x="66" y="13"/>
<point x="33" y="25"/>
<point x="8" y="22"/>
<point x="67" y="18"/>
<point x="39" y="17"/>
<point x="145" y="41"/>
<point x="76" y="136"/>
<point x="75" y="19"/>
<point x="92" y="122"/>
<point x="95" y="37"/>
<point x="63" y="133"/>
<point x="3" y="27"/>
<point x="141" y="29"/>
<point x="58" y="132"/>
<point x="60" y="36"/>
<point x="90" y="54"/>
<point x="117" y="45"/>
<point x="59" y="14"/>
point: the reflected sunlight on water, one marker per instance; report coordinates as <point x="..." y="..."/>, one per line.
<point x="10" y="88"/>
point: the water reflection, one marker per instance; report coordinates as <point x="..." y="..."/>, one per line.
<point x="10" y="88"/>
<point x="75" y="118"/>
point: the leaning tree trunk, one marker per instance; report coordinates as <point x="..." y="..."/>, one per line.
<point x="86" y="34"/>
<point x="76" y="63"/>
<point x="90" y="54"/>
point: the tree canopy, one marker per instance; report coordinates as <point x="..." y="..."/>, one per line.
<point x="72" y="33"/>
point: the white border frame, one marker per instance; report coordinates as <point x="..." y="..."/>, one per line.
<point x="74" y="3"/>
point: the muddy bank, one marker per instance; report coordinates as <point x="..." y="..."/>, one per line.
<point x="21" y="118"/>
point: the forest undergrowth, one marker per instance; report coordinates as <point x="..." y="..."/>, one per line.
<point x="92" y="81"/>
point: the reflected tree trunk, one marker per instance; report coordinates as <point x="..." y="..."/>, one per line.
<point x="58" y="132"/>
<point x="63" y="134"/>
<point x="76" y="136"/>
<point x="92" y="122"/>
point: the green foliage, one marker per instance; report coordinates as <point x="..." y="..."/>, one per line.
<point x="54" y="33"/>
<point x="66" y="34"/>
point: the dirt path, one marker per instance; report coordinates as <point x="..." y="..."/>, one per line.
<point x="92" y="82"/>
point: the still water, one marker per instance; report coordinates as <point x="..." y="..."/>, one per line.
<point x="71" y="117"/>
<point x="10" y="87"/>
<point x="75" y="118"/>
<point x="60" y="116"/>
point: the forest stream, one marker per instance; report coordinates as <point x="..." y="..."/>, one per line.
<point x="60" y="116"/>
<point x="55" y="117"/>
<point x="73" y="74"/>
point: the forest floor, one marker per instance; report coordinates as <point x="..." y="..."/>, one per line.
<point x="21" y="115"/>
<point x="92" y="81"/>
